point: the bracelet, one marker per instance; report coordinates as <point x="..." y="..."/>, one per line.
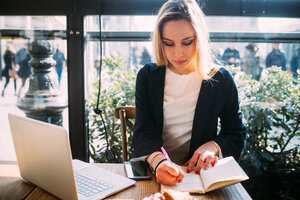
<point x="159" y="164"/>
<point x="154" y="157"/>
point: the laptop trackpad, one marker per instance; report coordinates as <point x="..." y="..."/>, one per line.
<point x="93" y="172"/>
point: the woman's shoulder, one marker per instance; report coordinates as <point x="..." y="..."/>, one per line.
<point x="151" y="68"/>
<point x="222" y="75"/>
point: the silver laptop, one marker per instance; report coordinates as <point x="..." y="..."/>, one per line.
<point x="44" y="158"/>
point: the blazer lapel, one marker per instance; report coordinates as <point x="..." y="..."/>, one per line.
<point x="205" y="98"/>
<point x="157" y="82"/>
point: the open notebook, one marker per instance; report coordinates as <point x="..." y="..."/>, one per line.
<point x="226" y="172"/>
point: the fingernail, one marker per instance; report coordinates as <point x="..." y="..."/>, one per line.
<point x="179" y="180"/>
<point x="197" y="172"/>
<point x="213" y="164"/>
<point x="188" y="170"/>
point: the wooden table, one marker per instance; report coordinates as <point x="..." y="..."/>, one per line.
<point x="13" y="187"/>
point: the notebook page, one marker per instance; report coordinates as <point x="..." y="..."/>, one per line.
<point x="190" y="183"/>
<point x="226" y="169"/>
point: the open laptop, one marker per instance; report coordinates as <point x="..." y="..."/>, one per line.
<point x="44" y="159"/>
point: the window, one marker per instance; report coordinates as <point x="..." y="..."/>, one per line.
<point x="17" y="33"/>
<point x="129" y="38"/>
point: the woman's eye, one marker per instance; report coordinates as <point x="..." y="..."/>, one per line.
<point x="168" y="44"/>
<point x="188" y="43"/>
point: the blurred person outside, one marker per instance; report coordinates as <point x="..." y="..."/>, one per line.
<point x="231" y="56"/>
<point x="276" y="58"/>
<point x="134" y="55"/>
<point x="145" y="57"/>
<point x="22" y="58"/>
<point x="59" y="57"/>
<point x="295" y="63"/>
<point x="97" y="67"/>
<point x="9" y="69"/>
<point x="218" y="56"/>
<point x="251" y="61"/>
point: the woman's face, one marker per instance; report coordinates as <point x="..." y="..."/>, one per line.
<point x="179" y="45"/>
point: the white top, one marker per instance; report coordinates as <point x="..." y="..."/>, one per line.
<point x="180" y="98"/>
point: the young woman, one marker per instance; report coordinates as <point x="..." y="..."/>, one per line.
<point x="181" y="97"/>
<point x="9" y="69"/>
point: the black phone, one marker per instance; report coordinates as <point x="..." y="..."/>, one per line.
<point x="136" y="170"/>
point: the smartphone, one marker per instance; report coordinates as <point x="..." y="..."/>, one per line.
<point x="136" y="170"/>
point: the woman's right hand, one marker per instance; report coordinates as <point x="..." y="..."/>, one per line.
<point x="169" y="173"/>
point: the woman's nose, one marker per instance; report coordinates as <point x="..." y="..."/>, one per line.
<point x="178" y="51"/>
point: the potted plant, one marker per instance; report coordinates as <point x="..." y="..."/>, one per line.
<point x="271" y="112"/>
<point x="117" y="89"/>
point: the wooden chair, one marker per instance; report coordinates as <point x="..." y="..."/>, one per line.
<point x="125" y="114"/>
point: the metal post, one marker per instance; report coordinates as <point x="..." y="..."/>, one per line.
<point x="43" y="101"/>
<point x="77" y="107"/>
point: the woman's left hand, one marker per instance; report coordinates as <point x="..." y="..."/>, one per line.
<point x="205" y="156"/>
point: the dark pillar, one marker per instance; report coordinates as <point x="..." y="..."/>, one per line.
<point x="43" y="100"/>
<point x="77" y="106"/>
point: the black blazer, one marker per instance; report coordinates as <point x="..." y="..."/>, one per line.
<point x="218" y="98"/>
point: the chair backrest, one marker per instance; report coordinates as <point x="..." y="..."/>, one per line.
<point x="124" y="114"/>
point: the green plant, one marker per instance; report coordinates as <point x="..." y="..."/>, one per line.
<point x="271" y="113"/>
<point x="118" y="87"/>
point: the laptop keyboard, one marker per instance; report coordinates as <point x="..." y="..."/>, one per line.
<point x="88" y="187"/>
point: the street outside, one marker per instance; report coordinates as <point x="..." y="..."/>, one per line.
<point x="8" y="105"/>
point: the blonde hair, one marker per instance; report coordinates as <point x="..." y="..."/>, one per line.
<point x="190" y="11"/>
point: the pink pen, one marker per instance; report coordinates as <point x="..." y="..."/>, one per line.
<point x="165" y="154"/>
<point x="168" y="159"/>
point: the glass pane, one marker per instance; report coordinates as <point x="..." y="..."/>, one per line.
<point x="33" y="22"/>
<point x="121" y="60"/>
<point x="16" y="90"/>
<point x="240" y="54"/>
<point x="215" y="24"/>
<point x="117" y="75"/>
<point x="253" y="24"/>
<point x="132" y="55"/>
<point x="121" y="23"/>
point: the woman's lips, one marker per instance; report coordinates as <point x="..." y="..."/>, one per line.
<point x="180" y="62"/>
